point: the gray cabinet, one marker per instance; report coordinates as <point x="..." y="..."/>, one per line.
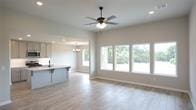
<point x="18" y="74"/>
<point x="36" y="46"/>
<point x="19" y="49"/>
<point x="23" y="75"/>
<point x="15" y="75"/>
<point x="14" y="49"/>
<point x="49" y="50"/>
<point x="22" y="49"/>
<point x="33" y="46"/>
<point x="43" y="52"/>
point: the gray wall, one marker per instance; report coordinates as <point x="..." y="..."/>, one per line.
<point x="193" y="54"/>
<point x="161" y="31"/>
<point x="63" y="55"/>
<point x="4" y="63"/>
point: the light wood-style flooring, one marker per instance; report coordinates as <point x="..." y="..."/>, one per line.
<point x="80" y="93"/>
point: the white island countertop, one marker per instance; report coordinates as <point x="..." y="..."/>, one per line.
<point x="44" y="68"/>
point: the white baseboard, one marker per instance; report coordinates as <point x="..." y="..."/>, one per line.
<point x="92" y="77"/>
<point x="5" y="102"/>
<point x="192" y="102"/>
<point x="142" y="84"/>
<point x="194" y="106"/>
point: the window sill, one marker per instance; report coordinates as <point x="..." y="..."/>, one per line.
<point x="139" y="73"/>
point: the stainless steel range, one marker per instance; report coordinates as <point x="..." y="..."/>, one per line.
<point x="31" y="64"/>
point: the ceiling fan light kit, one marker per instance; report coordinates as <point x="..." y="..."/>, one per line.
<point x="102" y="22"/>
<point x="101" y="25"/>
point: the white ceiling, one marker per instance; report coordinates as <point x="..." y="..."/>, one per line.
<point x="73" y="12"/>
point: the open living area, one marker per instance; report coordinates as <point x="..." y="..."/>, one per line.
<point x="97" y="55"/>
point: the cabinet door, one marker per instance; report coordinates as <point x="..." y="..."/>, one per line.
<point x="49" y="50"/>
<point x="30" y="46"/>
<point x="22" y="49"/>
<point x="43" y="50"/>
<point x="36" y="46"/>
<point x="23" y="75"/>
<point x="15" y="74"/>
<point x="14" y="49"/>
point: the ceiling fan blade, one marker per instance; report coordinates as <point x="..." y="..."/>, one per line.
<point x="113" y="23"/>
<point x="91" y="18"/>
<point x="91" y="23"/>
<point x="111" y="18"/>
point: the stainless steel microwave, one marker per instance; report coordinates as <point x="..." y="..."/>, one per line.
<point x="33" y="54"/>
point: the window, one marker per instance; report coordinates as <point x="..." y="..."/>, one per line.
<point x="165" y="59"/>
<point x="85" y="57"/>
<point x="107" y="58"/>
<point x="122" y="58"/>
<point x="141" y="58"/>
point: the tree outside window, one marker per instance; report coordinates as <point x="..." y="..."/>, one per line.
<point x="165" y="59"/>
<point x="141" y="58"/>
<point x="122" y="58"/>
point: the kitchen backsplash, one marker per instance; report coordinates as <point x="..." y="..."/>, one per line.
<point x="21" y="62"/>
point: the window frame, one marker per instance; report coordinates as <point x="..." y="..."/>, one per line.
<point x="100" y="63"/>
<point x="152" y="58"/>
<point x="135" y="72"/>
<point x="176" y="66"/>
<point x="83" y="57"/>
<point x="114" y="57"/>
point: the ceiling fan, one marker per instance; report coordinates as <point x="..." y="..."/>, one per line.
<point x="102" y="22"/>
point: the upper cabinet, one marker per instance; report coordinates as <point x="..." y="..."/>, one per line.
<point x="49" y="50"/>
<point x="33" y="46"/>
<point x="22" y="49"/>
<point x="19" y="49"/>
<point x="43" y="52"/>
<point x="14" y="49"/>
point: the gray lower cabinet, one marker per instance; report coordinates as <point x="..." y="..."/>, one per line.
<point x="15" y="75"/>
<point x="18" y="74"/>
<point x="23" y="75"/>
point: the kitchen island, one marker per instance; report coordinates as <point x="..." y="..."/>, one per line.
<point x="38" y="77"/>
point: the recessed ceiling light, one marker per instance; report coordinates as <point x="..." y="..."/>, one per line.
<point x="39" y="3"/>
<point x="20" y="38"/>
<point x="28" y="35"/>
<point x="151" y="12"/>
